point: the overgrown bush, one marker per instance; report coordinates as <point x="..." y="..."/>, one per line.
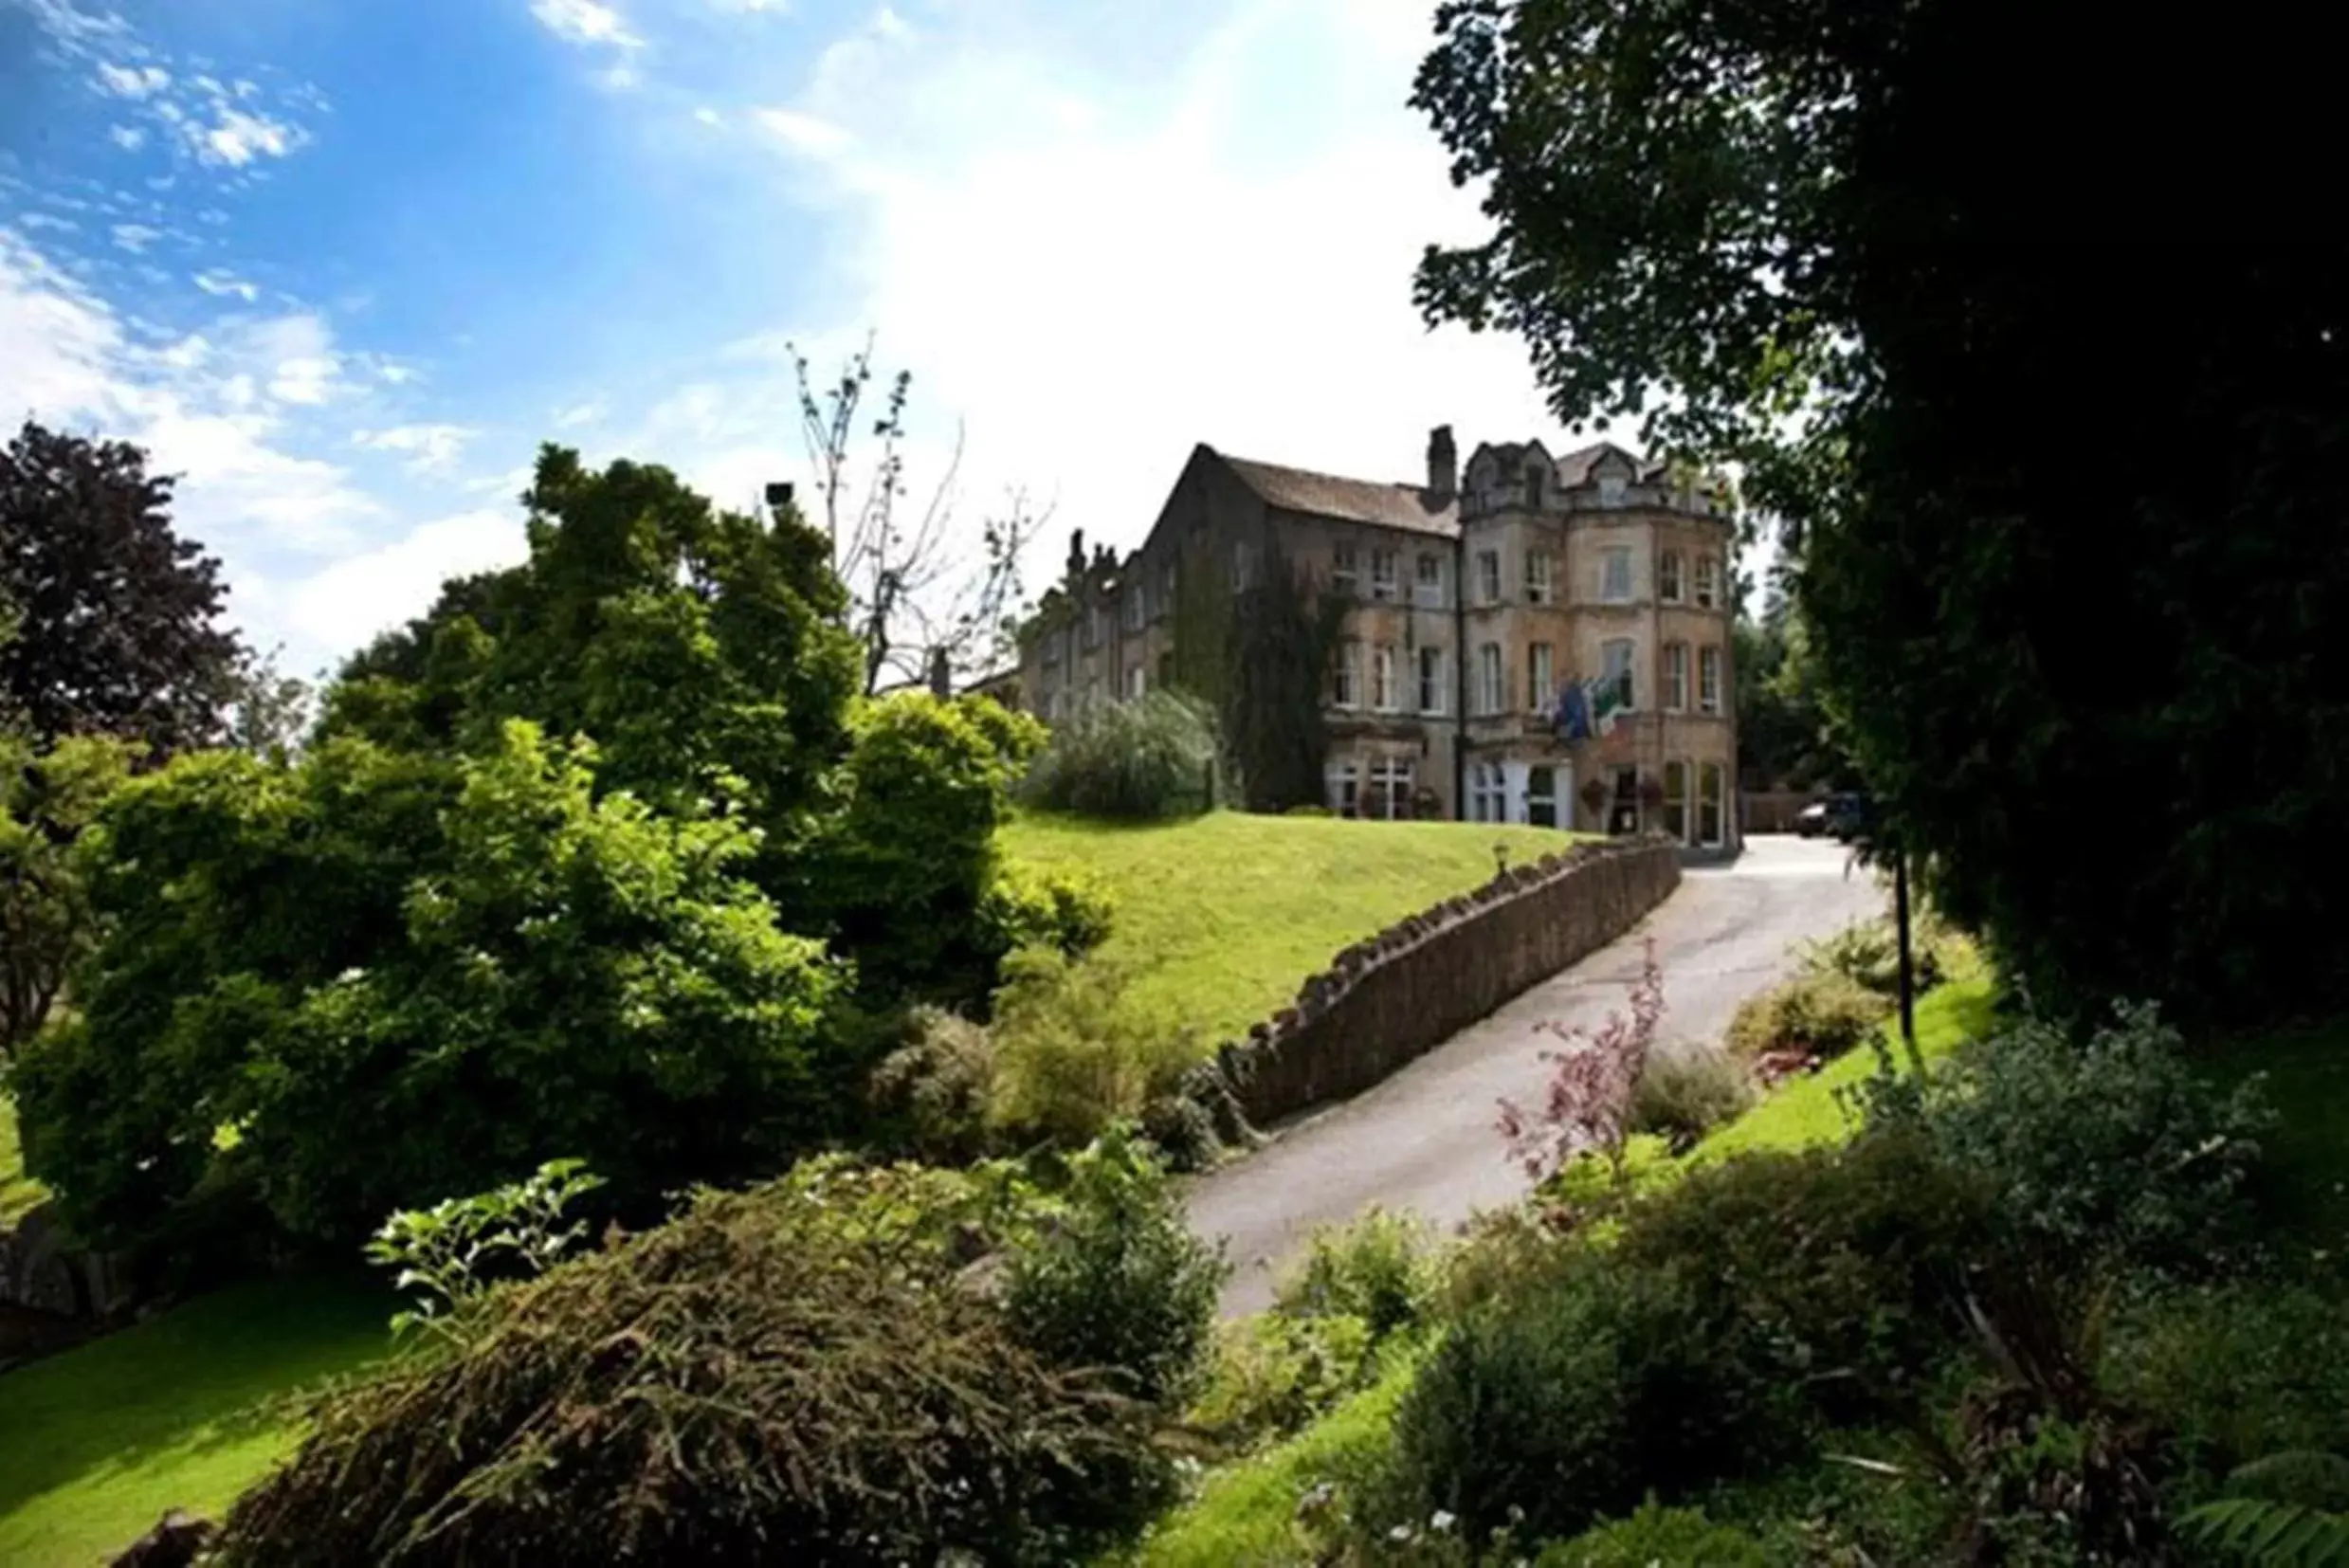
<point x="1727" y="1321"/>
<point x="1384" y="1269"/>
<point x="2109" y="1147"/>
<point x="1137" y="761"/>
<point x="2237" y="1371"/>
<point x="1683" y="1097"/>
<point x="1271" y="1374"/>
<point x="1073" y="1053"/>
<point x="931" y="1092"/>
<point x="1867" y="953"/>
<point x="1119" y="1281"/>
<point x="1818" y="1015"/>
<point x="796" y="1373"/>
<point x="375" y="981"/>
<point x="1657" y="1537"/>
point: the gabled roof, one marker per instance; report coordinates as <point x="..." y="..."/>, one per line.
<point x="1351" y="500"/>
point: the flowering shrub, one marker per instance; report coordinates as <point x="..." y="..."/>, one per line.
<point x="1593" y="1081"/>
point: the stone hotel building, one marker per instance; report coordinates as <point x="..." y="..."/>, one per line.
<point x="1474" y="597"/>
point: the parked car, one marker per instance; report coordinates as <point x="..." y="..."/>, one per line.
<point x="1839" y="816"/>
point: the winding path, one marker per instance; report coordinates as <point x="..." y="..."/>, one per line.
<point x="1424" y="1140"/>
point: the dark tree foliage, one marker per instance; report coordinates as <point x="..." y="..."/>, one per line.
<point x="2068" y="471"/>
<point x="1260" y="655"/>
<point x="116" y="615"/>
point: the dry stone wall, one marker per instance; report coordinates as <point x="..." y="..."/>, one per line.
<point x="1385" y="1001"/>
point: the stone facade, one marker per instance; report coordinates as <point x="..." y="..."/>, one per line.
<point x="1474" y="596"/>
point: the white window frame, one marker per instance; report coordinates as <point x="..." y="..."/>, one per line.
<point x="1614" y="574"/>
<point x="1541" y="577"/>
<point x="1708" y="582"/>
<point x="1488" y="793"/>
<point x="1427" y="591"/>
<point x="1383" y="678"/>
<point x="1396" y="780"/>
<point x="1341" y="786"/>
<point x="1137" y="682"/>
<point x="1383" y="574"/>
<point x="1345" y="573"/>
<point x="1627" y="665"/>
<point x="1491" y="693"/>
<point x="1346" y="675"/>
<point x="1489" y="577"/>
<point x="1711" y="834"/>
<point x="1671" y="580"/>
<point x="1433" y="685"/>
<point x="1540" y="676"/>
<point x="1708" y="679"/>
<point x="1676" y="677"/>
<point x="1537" y="800"/>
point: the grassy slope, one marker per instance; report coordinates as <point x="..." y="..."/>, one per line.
<point x="97" y="1443"/>
<point x="18" y="1192"/>
<point x="1221" y="917"/>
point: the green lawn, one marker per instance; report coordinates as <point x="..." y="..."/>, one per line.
<point x="18" y="1192"/>
<point x="97" y="1443"/>
<point x="1221" y="917"/>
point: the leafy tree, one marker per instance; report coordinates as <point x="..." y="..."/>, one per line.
<point x="47" y="923"/>
<point x="372" y="980"/>
<point x="114" y="614"/>
<point x="2066" y="506"/>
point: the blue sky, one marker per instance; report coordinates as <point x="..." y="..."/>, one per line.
<point x="343" y="266"/>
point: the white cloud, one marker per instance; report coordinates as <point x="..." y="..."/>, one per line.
<point x="706" y="115"/>
<point x="235" y="137"/>
<point x="47" y="219"/>
<point x="430" y="449"/>
<point x="132" y="81"/>
<point x="136" y="237"/>
<point x="129" y="137"/>
<point x="619" y="78"/>
<point x="222" y="283"/>
<point x="581" y="413"/>
<point x="362" y="594"/>
<point x="804" y="133"/>
<point x="777" y="7"/>
<point x="585" y="21"/>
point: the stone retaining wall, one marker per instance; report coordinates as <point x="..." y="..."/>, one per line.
<point x="1387" y="1000"/>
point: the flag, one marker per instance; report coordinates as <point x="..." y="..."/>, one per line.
<point x="1609" y="697"/>
<point x="1574" y="711"/>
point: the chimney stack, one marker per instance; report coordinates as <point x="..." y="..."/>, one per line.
<point x="1442" y="463"/>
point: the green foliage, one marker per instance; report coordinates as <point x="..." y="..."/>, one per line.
<point x="370" y="980"/>
<point x="1385" y="1269"/>
<point x="451" y="1251"/>
<point x="2237" y="1371"/>
<point x="2113" y="1147"/>
<point x="1118" y="1282"/>
<point x="1073" y="1054"/>
<point x="2270" y="1535"/>
<point x="1821" y="1014"/>
<point x="113" y="620"/>
<point x="1867" y="953"/>
<point x="1681" y="1097"/>
<point x="1745" y="226"/>
<point x="1273" y="1373"/>
<point x="906" y="875"/>
<point x="48" y="799"/>
<point x="797" y="1373"/>
<point x="1657" y="1537"/>
<point x="1730" y="1317"/>
<point x="1138" y="761"/>
<point x="931" y="1091"/>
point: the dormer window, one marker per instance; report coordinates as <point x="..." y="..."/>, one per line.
<point x="1533" y="487"/>
<point x="1610" y="489"/>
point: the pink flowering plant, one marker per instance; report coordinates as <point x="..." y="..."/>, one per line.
<point x="1593" y="1078"/>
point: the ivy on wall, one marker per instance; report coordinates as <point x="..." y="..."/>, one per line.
<point x="1259" y="654"/>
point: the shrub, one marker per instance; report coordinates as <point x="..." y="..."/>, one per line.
<point x="1072" y="1053"/>
<point x="1586" y="1108"/>
<point x="1272" y="1373"/>
<point x="1657" y="1537"/>
<point x="1133" y="761"/>
<point x="1867" y="953"/>
<point x="2110" y="1148"/>
<point x="793" y="1373"/>
<point x="371" y="981"/>
<point x="931" y="1091"/>
<point x="1383" y="1268"/>
<point x="1118" y="1282"/>
<point x="1820" y="1015"/>
<point x="2237" y="1372"/>
<point x="1683" y="1097"/>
